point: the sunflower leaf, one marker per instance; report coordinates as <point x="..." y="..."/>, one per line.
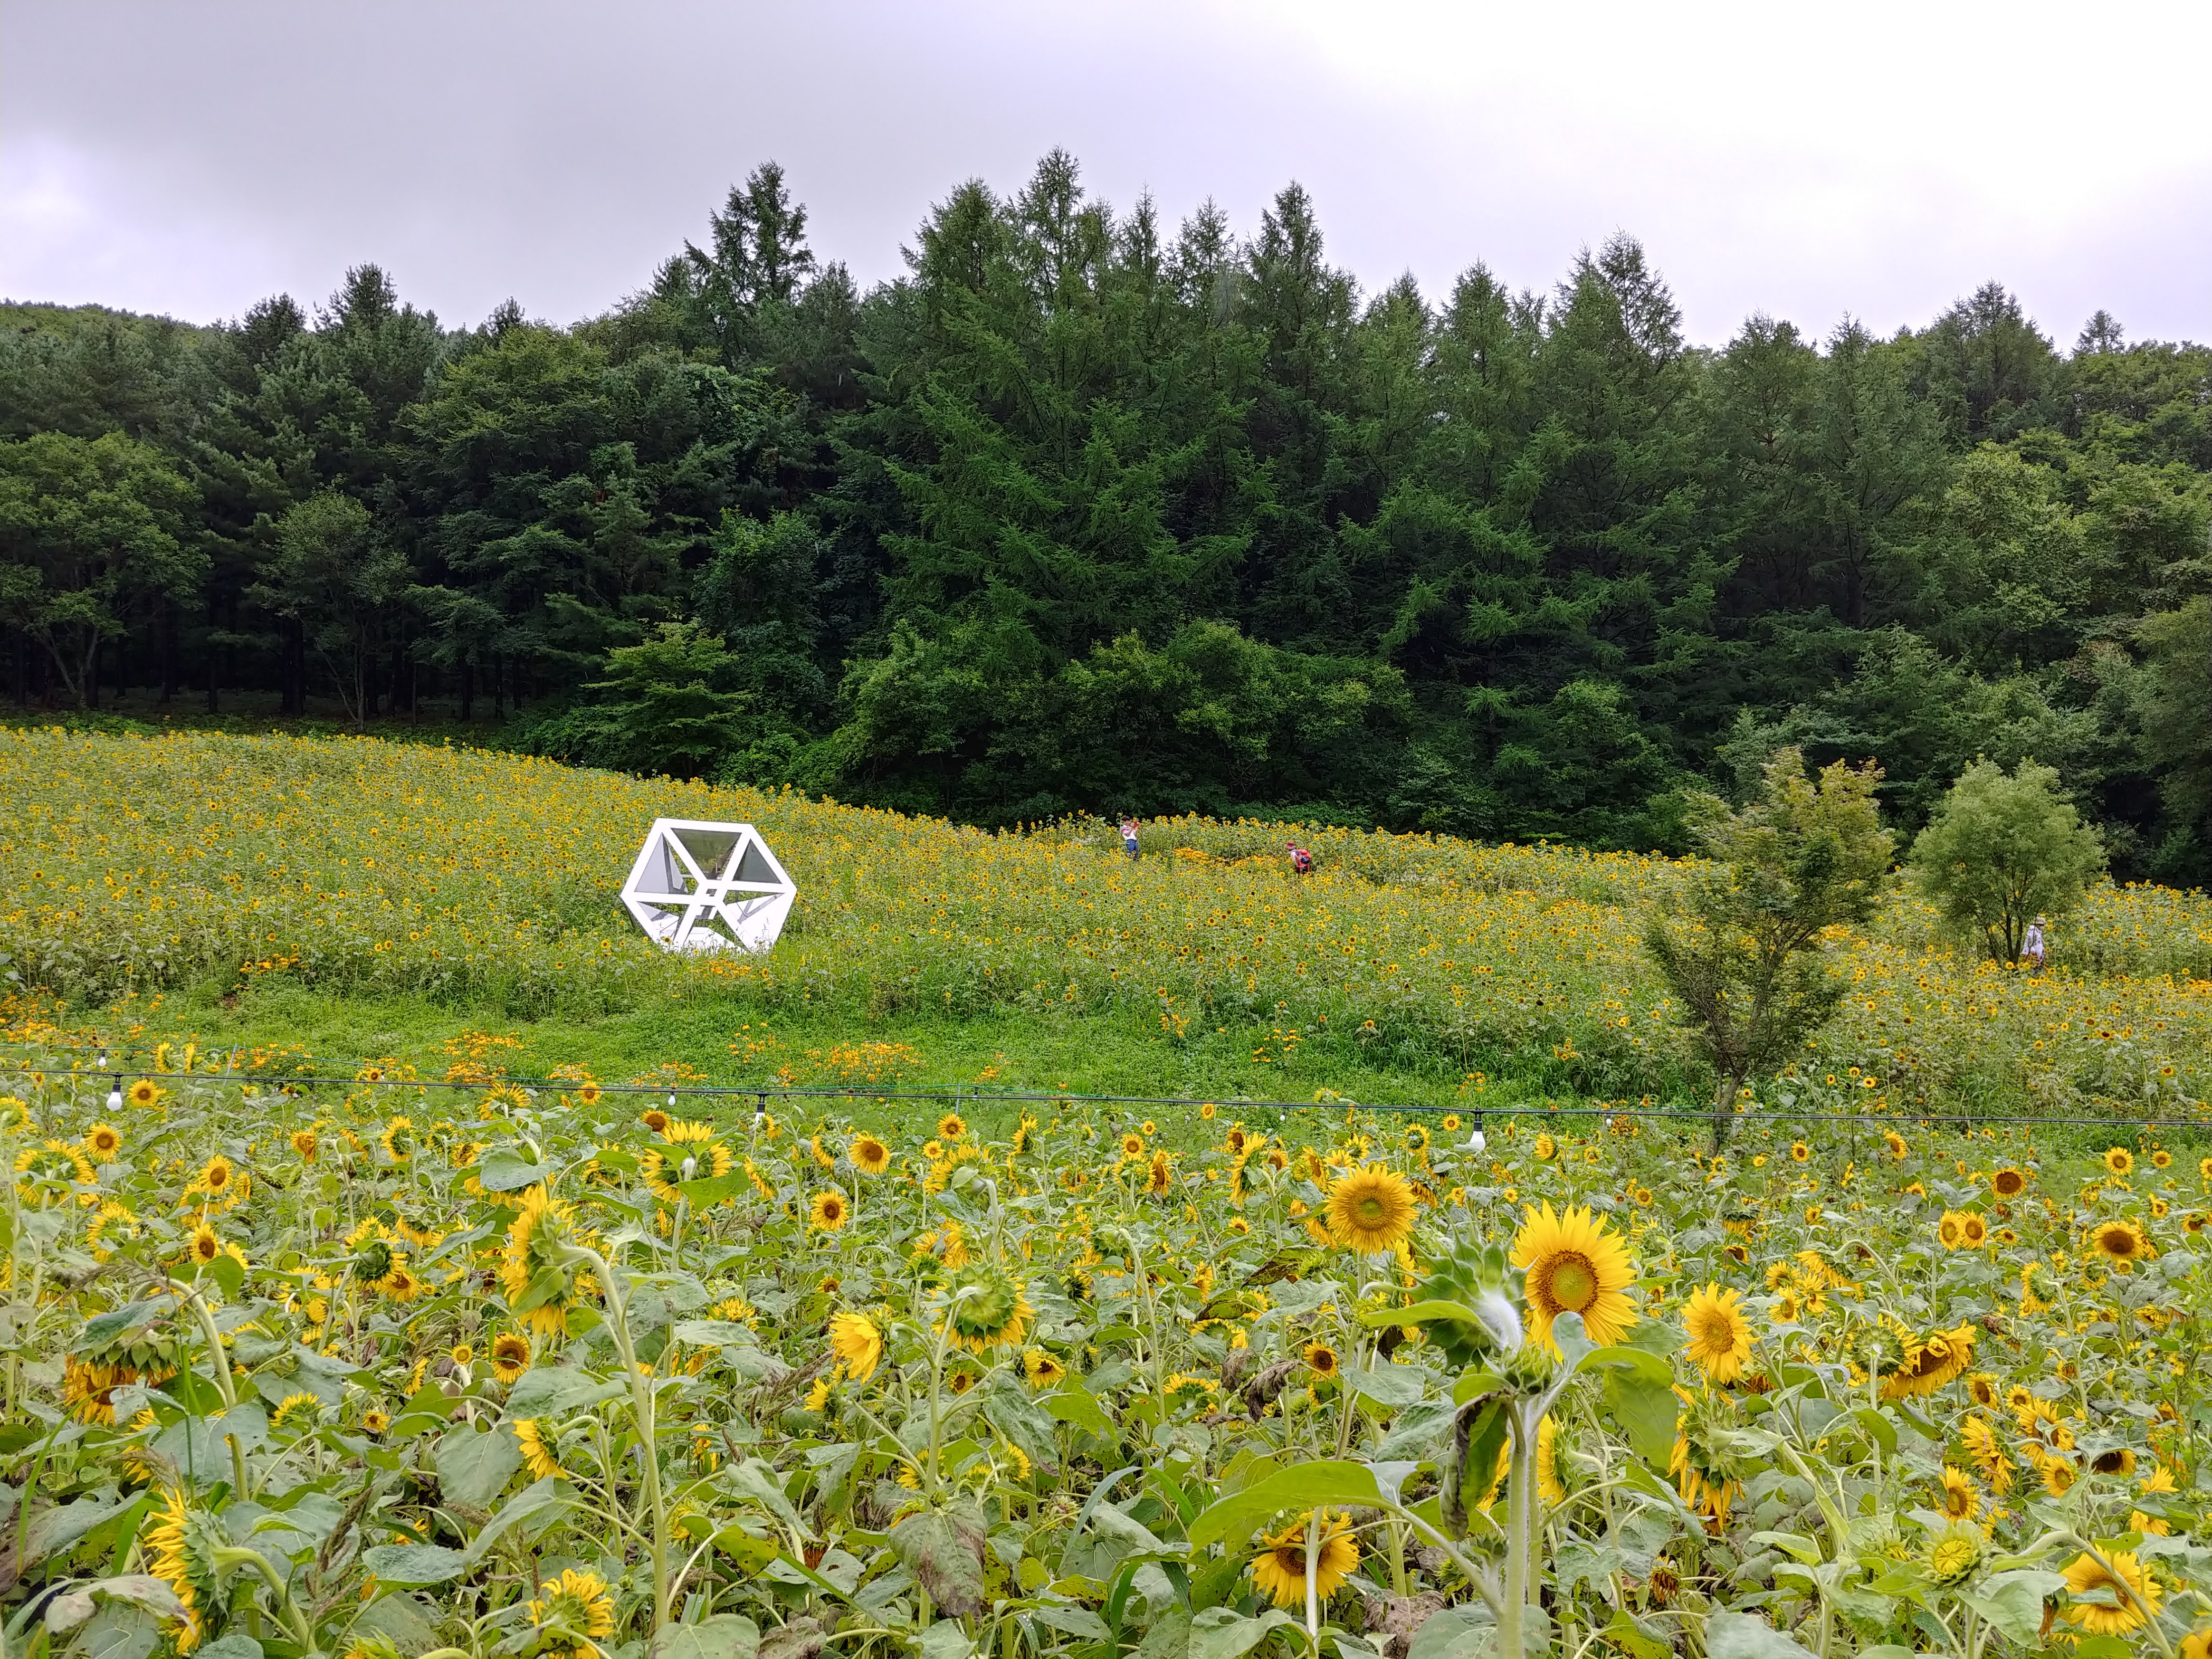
<point x="1307" y="1486"/>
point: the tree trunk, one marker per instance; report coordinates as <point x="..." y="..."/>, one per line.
<point x="468" y="688"/>
<point x="1724" y="1110"/>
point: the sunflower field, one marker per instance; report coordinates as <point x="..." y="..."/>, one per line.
<point x="207" y="868"/>
<point x="481" y="1371"/>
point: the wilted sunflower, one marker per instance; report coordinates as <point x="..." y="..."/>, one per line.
<point x="1159" y="1178"/>
<point x="574" y="1610"/>
<point x="829" y="1211"/>
<point x="1989" y="1454"/>
<point x="1370" y="1209"/>
<point x="869" y="1155"/>
<point x="1279" y="1569"/>
<point x="1720" y="1336"/>
<point x="510" y="1355"/>
<point x="986" y="1307"/>
<point x="535" y="1266"/>
<point x="1895" y="1143"/>
<point x="304" y="1143"/>
<point x="1041" y="1370"/>
<point x="2122" y="1594"/>
<point x="1573" y="1264"/>
<point x="2120" y="1240"/>
<point x="855" y="1340"/>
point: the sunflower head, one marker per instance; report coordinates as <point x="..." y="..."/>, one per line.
<point x="144" y="1092"/>
<point x="1041" y="1369"/>
<point x="2008" y="1182"/>
<point x="857" y="1343"/>
<point x="1720" y="1335"/>
<point x="304" y="1143"/>
<point x="2120" y="1240"/>
<point x="1370" y="1209"/>
<point x="2119" y="1161"/>
<point x="1279" y="1569"/>
<point x="574" y="1612"/>
<point x="1321" y="1360"/>
<point x="103" y="1141"/>
<point x="829" y="1211"/>
<point x="2109" y="1602"/>
<point x="869" y="1155"/>
<point x="986" y="1306"/>
<point x="1955" y="1552"/>
<point x="510" y="1355"/>
<point x="535" y="1269"/>
<point x="1572" y="1263"/>
<point x="952" y="1127"/>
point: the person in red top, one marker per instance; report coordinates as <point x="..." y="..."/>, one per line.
<point x="1300" y="860"/>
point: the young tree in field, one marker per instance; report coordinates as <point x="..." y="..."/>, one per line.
<point x="1741" y="949"/>
<point x="2001" y="851"/>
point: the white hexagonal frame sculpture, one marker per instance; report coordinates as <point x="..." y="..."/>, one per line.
<point x="702" y="886"/>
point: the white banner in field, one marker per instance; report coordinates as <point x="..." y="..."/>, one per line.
<point x="699" y="886"/>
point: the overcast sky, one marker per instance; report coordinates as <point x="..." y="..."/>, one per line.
<point x="190" y="156"/>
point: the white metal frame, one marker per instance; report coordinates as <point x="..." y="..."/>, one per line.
<point x="702" y="886"/>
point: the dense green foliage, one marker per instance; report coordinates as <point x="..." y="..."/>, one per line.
<point x="1088" y="512"/>
<point x="2002" y="851"/>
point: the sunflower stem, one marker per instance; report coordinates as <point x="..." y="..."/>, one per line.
<point x="641" y="1401"/>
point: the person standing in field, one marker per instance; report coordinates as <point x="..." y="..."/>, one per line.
<point x="1301" y="859"/>
<point x="2032" y="946"/>
<point x="1129" y="836"/>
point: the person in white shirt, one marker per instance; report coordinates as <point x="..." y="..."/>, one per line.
<point x="2032" y="947"/>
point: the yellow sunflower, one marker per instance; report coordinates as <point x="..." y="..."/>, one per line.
<point x="951" y="1127"/>
<point x="510" y="1355"/>
<point x="144" y="1092"/>
<point x="1960" y="1500"/>
<point x="535" y="1266"/>
<point x="537" y="1456"/>
<point x="103" y="1142"/>
<point x="1720" y="1336"/>
<point x="1041" y="1370"/>
<point x="1321" y="1359"/>
<point x="1573" y="1264"/>
<point x="829" y="1212"/>
<point x="2120" y="1161"/>
<point x="2008" y="1182"/>
<point x="869" y="1155"/>
<point x="1279" y="1569"/>
<point x="573" y="1611"/>
<point x="1371" y="1210"/>
<point x="855" y="1340"/>
<point x="2120" y="1240"/>
<point x="304" y="1143"/>
<point x="2123" y="1594"/>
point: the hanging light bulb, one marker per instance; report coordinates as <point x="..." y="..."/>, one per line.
<point x="115" y="1095"/>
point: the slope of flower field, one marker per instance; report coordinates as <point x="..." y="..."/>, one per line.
<point x="216" y="862"/>
<point x="449" y="1371"/>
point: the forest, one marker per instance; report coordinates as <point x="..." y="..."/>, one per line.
<point x="1086" y="511"/>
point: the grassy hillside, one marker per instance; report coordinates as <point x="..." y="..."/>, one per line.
<point x="352" y="897"/>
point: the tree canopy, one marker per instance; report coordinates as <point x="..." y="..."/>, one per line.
<point x="1091" y="511"/>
